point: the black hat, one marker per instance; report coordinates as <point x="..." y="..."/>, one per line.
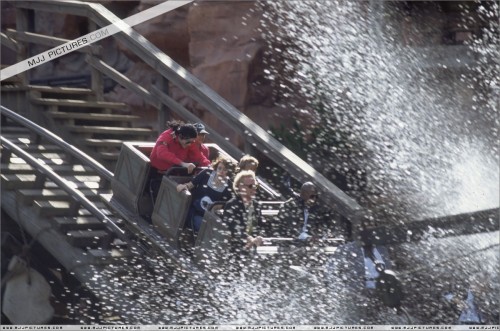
<point x="200" y="128"/>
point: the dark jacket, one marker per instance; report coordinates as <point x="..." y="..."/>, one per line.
<point x="290" y="220"/>
<point x="203" y="195"/>
<point x="235" y="217"/>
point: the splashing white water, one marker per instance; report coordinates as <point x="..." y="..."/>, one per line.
<point x="425" y="124"/>
<point x="478" y="178"/>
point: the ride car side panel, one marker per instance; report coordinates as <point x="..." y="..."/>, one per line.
<point x="170" y="210"/>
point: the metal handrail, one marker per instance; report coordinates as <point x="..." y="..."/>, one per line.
<point x="68" y="148"/>
<point x="62" y="183"/>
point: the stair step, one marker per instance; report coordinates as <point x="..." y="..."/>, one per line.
<point x="109" y="156"/>
<point x="60" y="169"/>
<point x="47" y="148"/>
<point x="7" y="121"/>
<point x="109" y="130"/>
<point x="103" y="142"/>
<point x="19" y="139"/>
<point x="104" y="210"/>
<point x="84" y="181"/>
<point x="18" y="181"/>
<point x="13" y="80"/>
<point x="14" y="88"/>
<point x="16" y="168"/>
<point x="74" y="184"/>
<point x="84" y="178"/>
<point x="16" y="160"/>
<point x="49" y="155"/>
<point x="14" y="130"/>
<point x="93" y="116"/>
<point x="60" y="89"/>
<point x="49" y="89"/>
<point x="52" y="208"/>
<point x="27" y="196"/>
<point x="111" y="255"/>
<point x="88" y="238"/>
<point x="66" y="223"/>
<point x="78" y="103"/>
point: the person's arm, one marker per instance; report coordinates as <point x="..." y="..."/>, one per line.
<point x="205" y="151"/>
<point x="262" y="228"/>
<point x="199" y="179"/>
<point x="196" y="156"/>
<point x="284" y="224"/>
<point x="254" y="241"/>
<point x="228" y="218"/>
<point x="187" y="186"/>
<point x="323" y="226"/>
<point x="233" y="218"/>
<point x="227" y="194"/>
<point x="164" y="153"/>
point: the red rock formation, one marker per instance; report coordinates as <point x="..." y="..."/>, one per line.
<point x="225" y="49"/>
<point x="220" y="43"/>
<point x="168" y="32"/>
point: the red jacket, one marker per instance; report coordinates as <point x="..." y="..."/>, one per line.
<point x="168" y="152"/>
<point x="204" y="150"/>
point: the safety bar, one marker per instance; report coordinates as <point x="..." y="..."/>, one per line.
<point x="291" y="240"/>
<point x="182" y="171"/>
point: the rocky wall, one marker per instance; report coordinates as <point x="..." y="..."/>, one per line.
<point x="221" y="43"/>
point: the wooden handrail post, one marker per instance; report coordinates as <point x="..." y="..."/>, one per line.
<point x="96" y="77"/>
<point x="248" y="148"/>
<point x="164" y="112"/>
<point x="23" y="52"/>
<point x="22" y="24"/>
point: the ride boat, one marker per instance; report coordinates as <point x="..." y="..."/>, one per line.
<point x="166" y="216"/>
<point x="207" y="252"/>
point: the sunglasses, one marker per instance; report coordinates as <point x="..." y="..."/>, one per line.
<point x="188" y="141"/>
<point x="252" y="186"/>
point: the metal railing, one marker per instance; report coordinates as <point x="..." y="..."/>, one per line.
<point x="49" y="136"/>
<point x="63" y="184"/>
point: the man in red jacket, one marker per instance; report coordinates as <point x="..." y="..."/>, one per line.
<point x="174" y="147"/>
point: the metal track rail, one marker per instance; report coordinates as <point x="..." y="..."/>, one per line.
<point x="68" y="148"/>
<point x="62" y="183"/>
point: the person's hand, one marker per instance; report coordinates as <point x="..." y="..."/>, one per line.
<point x="190" y="166"/>
<point x="251" y="241"/>
<point x="258" y="241"/>
<point x="304" y="236"/>
<point x="181" y="187"/>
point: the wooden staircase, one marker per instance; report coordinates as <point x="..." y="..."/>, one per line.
<point x="96" y="127"/>
<point x="33" y="196"/>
